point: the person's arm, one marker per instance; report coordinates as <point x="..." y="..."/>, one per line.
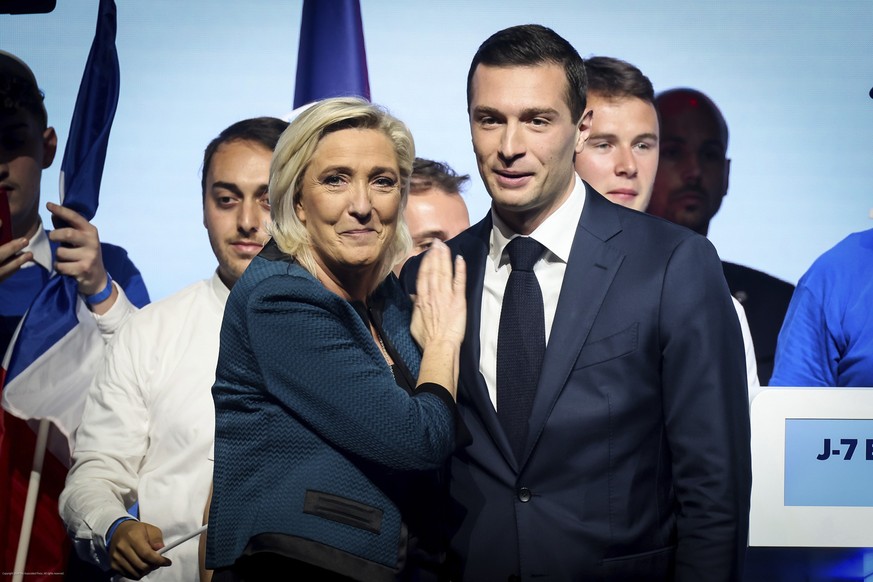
<point x="111" y="443"/>
<point x="79" y="256"/>
<point x="330" y="347"/>
<point x="111" y="297"/>
<point x="807" y="352"/>
<point x="109" y="322"/>
<point x="706" y="414"/>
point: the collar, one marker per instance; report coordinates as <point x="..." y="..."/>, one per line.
<point x="41" y="248"/>
<point x="552" y="233"/>
<point x="219" y="288"/>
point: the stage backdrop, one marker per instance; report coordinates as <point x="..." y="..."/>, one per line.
<point x="791" y="76"/>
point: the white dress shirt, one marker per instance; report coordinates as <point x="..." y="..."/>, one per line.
<point x="556" y="234"/>
<point x="148" y="428"/>
<point x="751" y="363"/>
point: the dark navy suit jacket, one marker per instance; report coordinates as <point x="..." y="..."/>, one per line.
<point x="637" y="465"/>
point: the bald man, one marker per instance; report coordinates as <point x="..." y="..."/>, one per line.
<point x="691" y="181"/>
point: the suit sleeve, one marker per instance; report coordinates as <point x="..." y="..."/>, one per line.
<point x="324" y="367"/>
<point x="409" y="274"/>
<point x="706" y="414"/>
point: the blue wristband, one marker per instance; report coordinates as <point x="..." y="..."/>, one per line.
<point x="102" y="295"/>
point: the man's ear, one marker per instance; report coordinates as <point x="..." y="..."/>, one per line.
<point x="584" y="130"/>
<point x="49" y="146"/>
<point x="727" y="174"/>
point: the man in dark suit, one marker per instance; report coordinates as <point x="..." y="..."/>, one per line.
<point x="691" y="182"/>
<point x="609" y="411"/>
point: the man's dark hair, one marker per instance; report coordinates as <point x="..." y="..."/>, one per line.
<point x="260" y="130"/>
<point x="427" y="174"/>
<point x="530" y="45"/>
<point x="612" y="78"/>
<point x="20" y="93"/>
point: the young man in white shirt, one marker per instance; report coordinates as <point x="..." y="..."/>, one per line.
<point x="148" y="424"/>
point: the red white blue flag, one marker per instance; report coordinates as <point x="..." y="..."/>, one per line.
<point x="57" y="309"/>
<point x="57" y="347"/>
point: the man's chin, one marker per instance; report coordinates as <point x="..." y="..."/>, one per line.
<point x="695" y="221"/>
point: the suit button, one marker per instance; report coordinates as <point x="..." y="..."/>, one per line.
<point x="514" y="578"/>
<point x="524" y="494"/>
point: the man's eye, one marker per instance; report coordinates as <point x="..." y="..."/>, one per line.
<point x="423" y="245"/>
<point x="539" y="122"/>
<point x="670" y="152"/>
<point x="712" y="155"/>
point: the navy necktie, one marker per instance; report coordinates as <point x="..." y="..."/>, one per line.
<point x="521" y="341"/>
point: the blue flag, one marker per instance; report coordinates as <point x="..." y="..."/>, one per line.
<point x="331" y="61"/>
<point x="82" y="167"/>
<point x="52" y="315"/>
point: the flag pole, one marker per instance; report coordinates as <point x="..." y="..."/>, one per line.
<point x="30" y="502"/>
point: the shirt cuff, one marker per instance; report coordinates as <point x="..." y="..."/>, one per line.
<point x="111" y="321"/>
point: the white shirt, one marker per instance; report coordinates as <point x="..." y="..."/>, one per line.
<point x="42" y="251"/>
<point x="148" y="428"/>
<point x="549" y="270"/>
<point x="751" y="362"/>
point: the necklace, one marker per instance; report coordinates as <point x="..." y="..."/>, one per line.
<point x="385" y="354"/>
<point x="381" y="343"/>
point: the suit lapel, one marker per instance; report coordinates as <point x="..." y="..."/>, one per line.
<point x="473" y="392"/>
<point x="591" y="268"/>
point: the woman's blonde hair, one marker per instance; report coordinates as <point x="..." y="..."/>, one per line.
<point x="293" y="154"/>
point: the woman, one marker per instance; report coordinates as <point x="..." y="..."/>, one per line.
<point x="330" y="423"/>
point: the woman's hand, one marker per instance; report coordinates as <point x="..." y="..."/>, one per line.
<point x="440" y="312"/>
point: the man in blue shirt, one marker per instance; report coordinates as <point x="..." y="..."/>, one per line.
<point x="28" y="146"/>
<point x="827" y="337"/>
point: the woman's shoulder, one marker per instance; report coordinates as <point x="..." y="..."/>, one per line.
<point x="271" y="284"/>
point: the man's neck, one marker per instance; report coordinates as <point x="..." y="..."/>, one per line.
<point x="524" y="222"/>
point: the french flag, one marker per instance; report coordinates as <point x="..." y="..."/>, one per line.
<point x="57" y="347"/>
<point x="331" y="60"/>
<point x="58" y="311"/>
